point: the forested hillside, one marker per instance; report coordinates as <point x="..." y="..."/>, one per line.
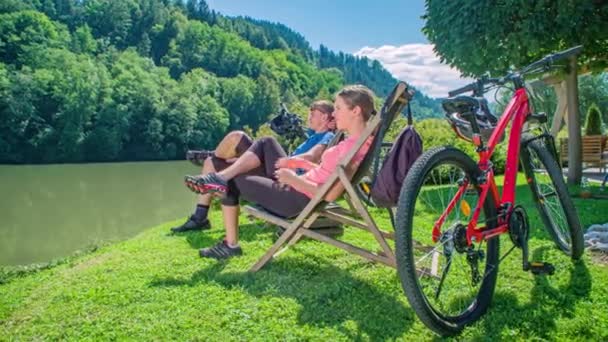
<point x="267" y="35"/>
<point x="110" y="80"/>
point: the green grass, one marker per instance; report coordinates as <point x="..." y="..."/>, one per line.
<point x="155" y="287"/>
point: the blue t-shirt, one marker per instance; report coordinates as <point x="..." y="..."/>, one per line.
<point x="313" y="139"/>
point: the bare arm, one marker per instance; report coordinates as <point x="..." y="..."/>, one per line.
<point x="337" y="189"/>
<point x="305" y="161"/>
<point x="301" y="184"/>
<point x="295" y="163"/>
<point x="314" y="154"/>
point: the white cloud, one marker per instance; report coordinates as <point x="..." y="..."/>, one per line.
<point x="418" y="65"/>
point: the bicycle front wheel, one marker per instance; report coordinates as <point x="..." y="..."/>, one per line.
<point x="551" y="196"/>
<point x="448" y="283"/>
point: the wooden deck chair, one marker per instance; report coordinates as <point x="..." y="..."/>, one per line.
<point x="356" y="215"/>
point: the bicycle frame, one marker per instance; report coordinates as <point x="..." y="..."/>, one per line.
<point x="517" y="111"/>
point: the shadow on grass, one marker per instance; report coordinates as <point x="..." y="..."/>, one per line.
<point x="328" y="295"/>
<point x="537" y="227"/>
<point x="537" y="318"/>
<point x="206" y="238"/>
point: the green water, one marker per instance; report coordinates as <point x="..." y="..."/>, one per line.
<point x="50" y="211"/>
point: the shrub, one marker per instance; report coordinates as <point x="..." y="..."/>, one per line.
<point x="437" y="132"/>
<point x="593" y="123"/>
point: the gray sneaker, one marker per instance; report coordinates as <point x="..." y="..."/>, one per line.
<point x="192" y="224"/>
<point x="220" y="251"/>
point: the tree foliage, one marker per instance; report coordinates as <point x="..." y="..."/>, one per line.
<point x="24" y="31"/>
<point x="481" y="36"/>
<point x="111" y="80"/>
<point x="592" y="89"/>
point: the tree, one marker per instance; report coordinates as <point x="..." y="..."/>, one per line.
<point x="266" y="103"/>
<point x="105" y="141"/>
<point x="71" y="90"/>
<point x="163" y="35"/>
<point x="111" y="19"/>
<point x="139" y="92"/>
<point x="199" y="10"/>
<point x="83" y="41"/>
<point x="194" y="119"/>
<point x="237" y="96"/>
<point x="493" y="36"/>
<point x="7" y="6"/>
<point x="17" y="114"/>
<point x="479" y="36"/>
<point x="593" y="89"/>
<point x="110" y="80"/>
<point x="593" y="125"/>
<point x="22" y="32"/>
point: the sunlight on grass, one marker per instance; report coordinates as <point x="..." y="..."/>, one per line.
<point x="154" y="287"/>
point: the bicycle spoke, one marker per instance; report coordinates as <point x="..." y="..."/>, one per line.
<point x="443" y="273"/>
<point x="549" y="197"/>
<point x="434" y="250"/>
<point x="557" y="213"/>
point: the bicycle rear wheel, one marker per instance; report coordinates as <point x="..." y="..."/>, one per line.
<point x="550" y="194"/>
<point x="445" y="289"/>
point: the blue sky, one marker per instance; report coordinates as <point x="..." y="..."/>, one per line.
<point x="386" y="30"/>
<point x="338" y="24"/>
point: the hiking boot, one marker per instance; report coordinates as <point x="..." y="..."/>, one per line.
<point x="220" y="251"/>
<point x="192" y="224"/>
<point x="208" y="183"/>
<point x="198" y="157"/>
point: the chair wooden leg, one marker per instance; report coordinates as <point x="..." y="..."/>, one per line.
<point x="290" y="233"/>
<point x="371" y="225"/>
<point x="298" y="235"/>
<point x="273" y="250"/>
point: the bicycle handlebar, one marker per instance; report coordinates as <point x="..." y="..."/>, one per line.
<point x="467" y="88"/>
<point x="552" y="58"/>
<point x="547" y="61"/>
<point x="476" y="87"/>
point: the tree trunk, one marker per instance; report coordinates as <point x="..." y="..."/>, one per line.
<point x="575" y="165"/>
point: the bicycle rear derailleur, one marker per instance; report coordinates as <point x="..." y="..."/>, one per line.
<point x="455" y="240"/>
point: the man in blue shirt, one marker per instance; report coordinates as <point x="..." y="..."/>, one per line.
<point x="319" y="134"/>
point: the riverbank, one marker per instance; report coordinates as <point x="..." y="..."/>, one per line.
<point x="154" y="286"/>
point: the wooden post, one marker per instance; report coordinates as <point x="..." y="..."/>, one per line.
<point x="560" y="111"/>
<point x="575" y="165"/>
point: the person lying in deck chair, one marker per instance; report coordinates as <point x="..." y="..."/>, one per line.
<point x="281" y="191"/>
<point x="234" y="144"/>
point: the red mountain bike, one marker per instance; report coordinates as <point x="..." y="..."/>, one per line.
<point x="451" y="213"/>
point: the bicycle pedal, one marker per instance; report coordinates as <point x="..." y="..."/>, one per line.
<point x="540" y="268"/>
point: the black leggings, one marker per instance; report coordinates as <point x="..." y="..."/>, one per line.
<point x="260" y="185"/>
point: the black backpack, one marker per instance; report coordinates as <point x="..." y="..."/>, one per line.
<point x="389" y="179"/>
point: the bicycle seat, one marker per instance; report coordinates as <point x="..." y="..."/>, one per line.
<point x="460" y="110"/>
<point x="468" y="104"/>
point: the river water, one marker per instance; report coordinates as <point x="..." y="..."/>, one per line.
<point x="50" y="211"/>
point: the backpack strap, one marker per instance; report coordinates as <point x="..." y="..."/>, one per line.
<point x="409" y="115"/>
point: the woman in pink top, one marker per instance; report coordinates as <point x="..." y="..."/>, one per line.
<point x="286" y="194"/>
